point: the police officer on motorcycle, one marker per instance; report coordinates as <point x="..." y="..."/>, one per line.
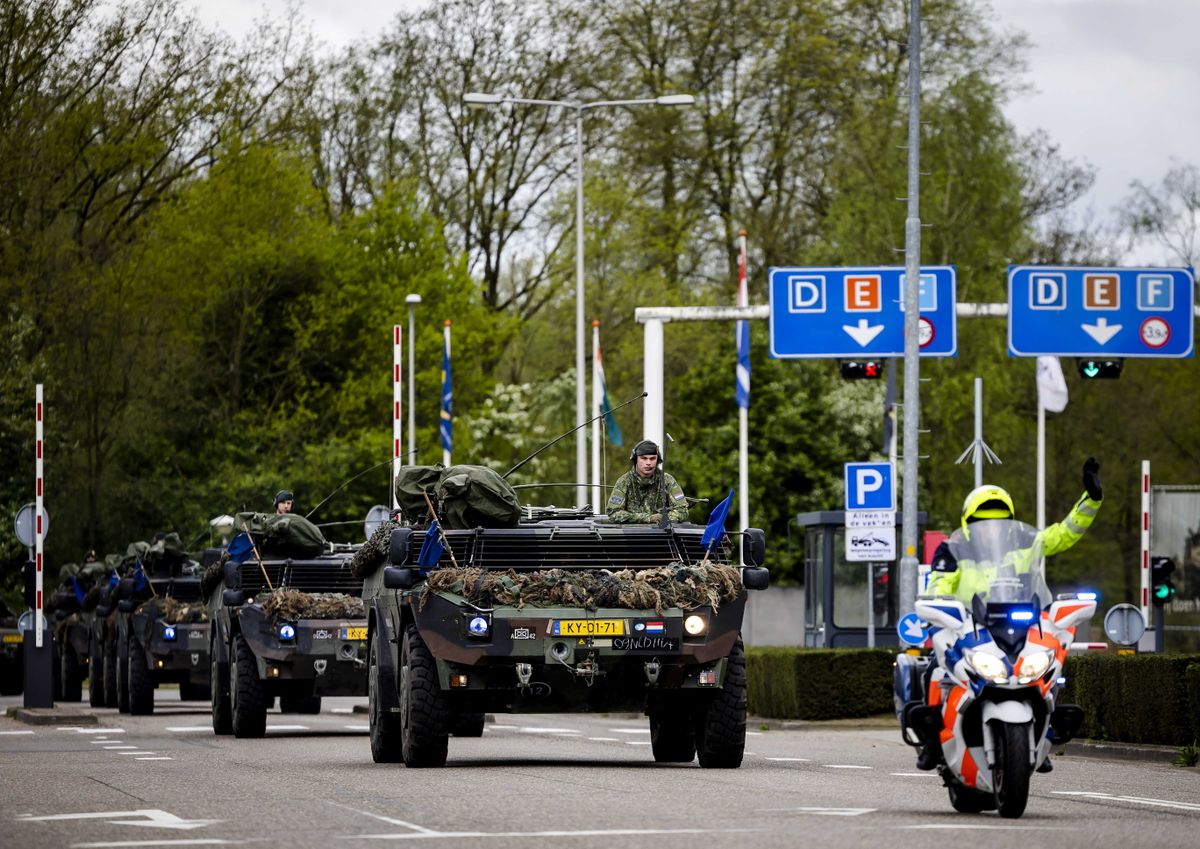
<point x="993" y="502"/>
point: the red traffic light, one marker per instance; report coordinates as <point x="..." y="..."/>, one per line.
<point x="861" y="369"/>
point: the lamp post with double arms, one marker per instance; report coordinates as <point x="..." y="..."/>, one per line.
<point x="482" y="100"/>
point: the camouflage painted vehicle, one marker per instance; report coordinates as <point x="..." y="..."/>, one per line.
<point x="303" y="639"/>
<point x="12" y="653"/>
<point x="561" y="615"/>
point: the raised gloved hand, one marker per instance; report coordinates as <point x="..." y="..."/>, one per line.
<point x="1091" y="479"/>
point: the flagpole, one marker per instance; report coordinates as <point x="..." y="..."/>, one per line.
<point x="447" y="412"/>
<point x="1041" y="464"/>
<point x="743" y="299"/>
<point x="396" y="408"/>
<point x="597" y="404"/>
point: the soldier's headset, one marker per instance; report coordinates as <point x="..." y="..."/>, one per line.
<point x="634" y="453"/>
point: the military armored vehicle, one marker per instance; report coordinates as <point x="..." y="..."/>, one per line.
<point x="284" y="626"/>
<point x="558" y="611"/>
<point x="12" y="653"/>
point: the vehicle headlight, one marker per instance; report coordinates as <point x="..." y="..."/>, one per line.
<point x="695" y="625"/>
<point x="1035" y="665"/>
<point x="169" y="633"/>
<point x="287" y="632"/>
<point x="988" y="666"/>
<point x="478" y="626"/>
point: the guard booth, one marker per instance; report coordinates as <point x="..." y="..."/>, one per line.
<point x="843" y="599"/>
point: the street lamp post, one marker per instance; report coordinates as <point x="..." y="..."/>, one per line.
<point x="483" y="100"/>
<point x="412" y="301"/>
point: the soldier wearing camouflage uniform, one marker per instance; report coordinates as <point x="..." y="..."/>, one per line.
<point x="639" y="493"/>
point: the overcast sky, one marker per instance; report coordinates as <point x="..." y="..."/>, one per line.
<point x="1115" y="82"/>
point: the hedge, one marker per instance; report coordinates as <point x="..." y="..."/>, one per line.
<point x="1147" y="698"/>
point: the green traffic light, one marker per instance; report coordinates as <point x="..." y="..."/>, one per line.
<point x="1091" y="370"/>
<point x="1162" y="591"/>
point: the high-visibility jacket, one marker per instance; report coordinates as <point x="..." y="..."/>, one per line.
<point x="947" y="579"/>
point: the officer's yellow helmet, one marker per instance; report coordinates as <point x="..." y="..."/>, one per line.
<point x="987" y="502"/>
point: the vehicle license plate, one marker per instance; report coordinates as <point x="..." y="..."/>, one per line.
<point x="587" y="627"/>
<point x="354" y="633"/>
<point x="13" y="638"/>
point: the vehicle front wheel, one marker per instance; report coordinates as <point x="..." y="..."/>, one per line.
<point x="672" y="738"/>
<point x="95" y="673"/>
<point x="1010" y="776"/>
<point x="249" y="698"/>
<point x="111" y="681"/>
<point x="122" y="683"/>
<point x="720" y="726"/>
<point x="423" y="727"/>
<point x="72" y="675"/>
<point x="222" y="711"/>
<point x="141" y="685"/>
<point x="386" y="740"/>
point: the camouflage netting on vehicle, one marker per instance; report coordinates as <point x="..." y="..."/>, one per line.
<point x="477" y="497"/>
<point x="677" y="585"/>
<point x="172" y="611"/>
<point x="286" y="535"/>
<point x="374" y="552"/>
<point x="411" y="484"/>
<point x="165" y="557"/>
<point x="213" y="575"/>
<point x="290" y="605"/>
<point x="134" y="552"/>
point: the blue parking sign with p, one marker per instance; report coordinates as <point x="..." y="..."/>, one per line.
<point x="870" y="486"/>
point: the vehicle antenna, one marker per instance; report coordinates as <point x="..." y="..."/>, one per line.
<point x="571" y="431"/>
<point x="350" y="481"/>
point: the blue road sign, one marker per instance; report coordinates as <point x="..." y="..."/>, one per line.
<point x="1100" y="312"/>
<point x="870" y="486"/>
<point x="911" y="629"/>
<point x="858" y="312"/>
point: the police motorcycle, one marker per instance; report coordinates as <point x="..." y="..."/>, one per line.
<point x="990" y="705"/>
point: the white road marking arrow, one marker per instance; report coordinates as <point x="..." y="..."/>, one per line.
<point x="153" y="819"/>
<point x="863" y="333"/>
<point x="1101" y="331"/>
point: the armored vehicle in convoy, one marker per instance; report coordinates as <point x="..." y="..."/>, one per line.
<point x="558" y="611"/>
<point x="288" y="623"/>
<point x="12" y="653"/>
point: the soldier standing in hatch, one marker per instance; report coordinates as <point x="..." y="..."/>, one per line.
<point x="639" y="494"/>
<point x="283" y="502"/>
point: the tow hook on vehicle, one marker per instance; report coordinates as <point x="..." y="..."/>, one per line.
<point x="653" y="667"/>
<point x="524" y="675"/>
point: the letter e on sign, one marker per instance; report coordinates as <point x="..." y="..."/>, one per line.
<point x="1101" y="292"/>
<point x="862" y="293"/>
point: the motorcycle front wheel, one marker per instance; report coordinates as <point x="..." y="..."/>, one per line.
<point x="1010" y="775"/>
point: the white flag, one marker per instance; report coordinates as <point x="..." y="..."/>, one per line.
<point x="1052" y="388"/>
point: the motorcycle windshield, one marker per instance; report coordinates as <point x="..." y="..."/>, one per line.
<point x="1001" y="560"/>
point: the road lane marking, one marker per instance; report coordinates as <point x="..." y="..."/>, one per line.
<point x="94" y="730"/>
<point x="629" y="731"/>
<point x="120" y="747"/>
<point x="287" y="728"/>
<point x="13" y="733"/>
<point x="754" y="733"/>
<point x="825" y="812"/>
<point x="846" y="766"/>
<point x="211" y="841"/>
<point x="180" y="728"/>
<point x="533" y="730"/>
<point x="617" y="832"/>
<point x="157" y="758"/>
<point x="135" y="753"/>
<point x="1136" y="800"/>
<point x="365" y="727"/>
<point x="382" y="818"/>
<point x="958" y="824"/>
<point x="495" y="727"/>
<point x="637" y="742"/>
<point x="917" y="774"/>
<point x="605" y="739"/>
<point x="792" y="760"/>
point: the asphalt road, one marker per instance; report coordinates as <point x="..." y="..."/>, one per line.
<point x="561" y="781"/>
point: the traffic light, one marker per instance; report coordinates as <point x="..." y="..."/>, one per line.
<point x="861" y="369"/>
<point x="1099" y="369"/>
<point x="881" y="591"/>
<point x="1162" y="591"/>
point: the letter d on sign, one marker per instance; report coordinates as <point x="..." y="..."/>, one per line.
<point x="866" y="481"/>
<point x="806" y="294"/>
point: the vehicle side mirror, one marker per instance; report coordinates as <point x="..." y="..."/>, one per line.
<point x="125" y="605"/>
<point x="398" y="553"/>
<point x="398" y="577"/>
<point x="233" y="598"/>
<point x="756" y="577"/>
<point x="754" y="547"/>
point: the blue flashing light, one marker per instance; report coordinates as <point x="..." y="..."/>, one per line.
<point x="1021" y="616"/>
<point x="1060" y="680"/>
<point x="287" y="632"/>
<point x="169" y="633"/>
<point x="1087" y="596"/>
<point x="478" y="626"/>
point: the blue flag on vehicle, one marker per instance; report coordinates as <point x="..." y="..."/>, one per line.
<point x="140" y="581"/>
<point x="432" y="547"/>
<point x="79" y="593"/>
<point x="610" y="421"/>
<point x="742" y="333"/>
<point x="447" y="420"/>
<point x="113" y="580"/>
<point x="239" y="547"/>
<point x="714" y="532"/>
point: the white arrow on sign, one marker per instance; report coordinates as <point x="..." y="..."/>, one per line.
<point x="153" y="819"/>
<point x="912" y="628"/>
<point x="1101" y="331"/>
<point x="863" y="333"/>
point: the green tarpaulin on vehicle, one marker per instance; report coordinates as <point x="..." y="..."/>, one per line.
<point x="411" y="484"/>
<point x="282" y="535"/>
<point x="477" y="497"/>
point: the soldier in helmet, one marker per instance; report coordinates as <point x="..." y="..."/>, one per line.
<point x="283" y="501"/>
<point x="640" y="493"/>
<point x="993" y="502"/>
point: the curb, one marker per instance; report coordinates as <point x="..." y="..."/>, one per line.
<point x="51" y="716"/>
<point x="1106" y="750"/>
<point x="879" y="721"/>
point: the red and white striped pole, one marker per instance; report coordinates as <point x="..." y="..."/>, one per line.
<point x="1145" y="570"/>
<point x="397" y="392"/>
<point x="39" y="522"/>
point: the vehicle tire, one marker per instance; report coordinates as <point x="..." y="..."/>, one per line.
<point x="672" y="737"/>
<point x="386" y="743"/>
<point x="95" y="673"/>
<point x="12" y="675"/>
<point x="222" y="711"/>
<point x="71" y="685"/>
<point x="467" y="724"/>
<point x="141" y="685"/>
<point x="122" y="683"/>
<point x="1010" y="776"/>
<point x="56" y="690"/>
<point x="968" y="801"/>
<point x="248" y="698"/>
<point x="720" y="726"/>
<point x="111" y="681"/>
<point x="423" y="714"/>
<point x="299" y="703"/>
